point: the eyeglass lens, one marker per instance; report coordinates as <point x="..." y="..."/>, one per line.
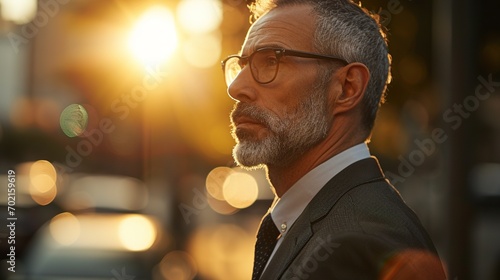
<point x="263" y="65"/>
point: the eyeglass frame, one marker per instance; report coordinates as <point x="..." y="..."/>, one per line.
<point x="279" y="52"/>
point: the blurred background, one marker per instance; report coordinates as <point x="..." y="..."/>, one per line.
<point x="115" y="118"/>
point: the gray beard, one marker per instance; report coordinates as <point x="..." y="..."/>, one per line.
<point x="288" y="138"/>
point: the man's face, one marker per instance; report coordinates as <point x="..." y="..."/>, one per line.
<point x="286" y="138"/>
<point x="275" y="123"/>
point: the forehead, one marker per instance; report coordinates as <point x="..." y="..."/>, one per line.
<point x="288" y="27"/>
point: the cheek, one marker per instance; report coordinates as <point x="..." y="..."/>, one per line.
<point x="284" y="95"/>
<point x="291" y="101"/>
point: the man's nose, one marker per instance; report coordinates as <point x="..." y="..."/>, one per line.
<point x="241" y="88"/>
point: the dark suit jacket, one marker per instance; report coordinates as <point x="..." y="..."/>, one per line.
<point x="356" y="227"/>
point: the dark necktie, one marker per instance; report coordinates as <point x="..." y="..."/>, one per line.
<point x="266" y="240"/>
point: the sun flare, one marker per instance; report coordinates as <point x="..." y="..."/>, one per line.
<point x="154" y="37"/>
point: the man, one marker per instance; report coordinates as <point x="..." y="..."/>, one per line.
<point x="307" y="86"/>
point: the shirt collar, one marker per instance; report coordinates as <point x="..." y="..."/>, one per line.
<point x="287" y="209"/>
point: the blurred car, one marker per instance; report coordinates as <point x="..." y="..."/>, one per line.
<point x="100" y="234"/>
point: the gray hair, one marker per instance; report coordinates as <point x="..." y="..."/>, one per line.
<point x="345" y="29"/>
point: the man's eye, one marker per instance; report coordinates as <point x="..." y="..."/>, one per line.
<point x="266" y="61"/>
<point x="271" y="61"/>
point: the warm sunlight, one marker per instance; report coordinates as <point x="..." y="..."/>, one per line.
<point x="200" y="16"/>
<point x="154" y="37"/>
<point x="18" y="11"/>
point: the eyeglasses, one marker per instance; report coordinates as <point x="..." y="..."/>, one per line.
<point x="264" y="63"/>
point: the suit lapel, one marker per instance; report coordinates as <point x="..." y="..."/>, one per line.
<point x="361" y="172"/>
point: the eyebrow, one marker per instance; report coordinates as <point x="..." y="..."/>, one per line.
<point x="262" y="46"/>
<point x="271" y="45"/>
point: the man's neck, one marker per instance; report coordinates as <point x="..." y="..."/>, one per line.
<point x="284" y="177"/>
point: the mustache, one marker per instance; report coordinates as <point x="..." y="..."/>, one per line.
<point x="250" y="111"/>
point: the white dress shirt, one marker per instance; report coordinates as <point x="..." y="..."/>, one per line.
<point x="287" y="209"/>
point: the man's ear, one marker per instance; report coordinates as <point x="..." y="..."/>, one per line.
<point x="354" y="80"/>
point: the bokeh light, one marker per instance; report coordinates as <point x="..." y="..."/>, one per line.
<point x="154" y="37"/>
<point x="65" y="228"/>
<point x="74" y="119"/>
<point x="130" y="232"/>
<point x="178" y="265"/>
<point x="240" y="190"/>
<point x="215" y="181"/>
<point x="137" y="233"/>
<point x="43" y="182"/>
<point x="24" y="185"/>
<point x="43" y="198"/>
<point x="18" y="11"/>
<point x="43" y="175"/>
<point x="200" y="16"/>
<point x="231" y="189"/>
